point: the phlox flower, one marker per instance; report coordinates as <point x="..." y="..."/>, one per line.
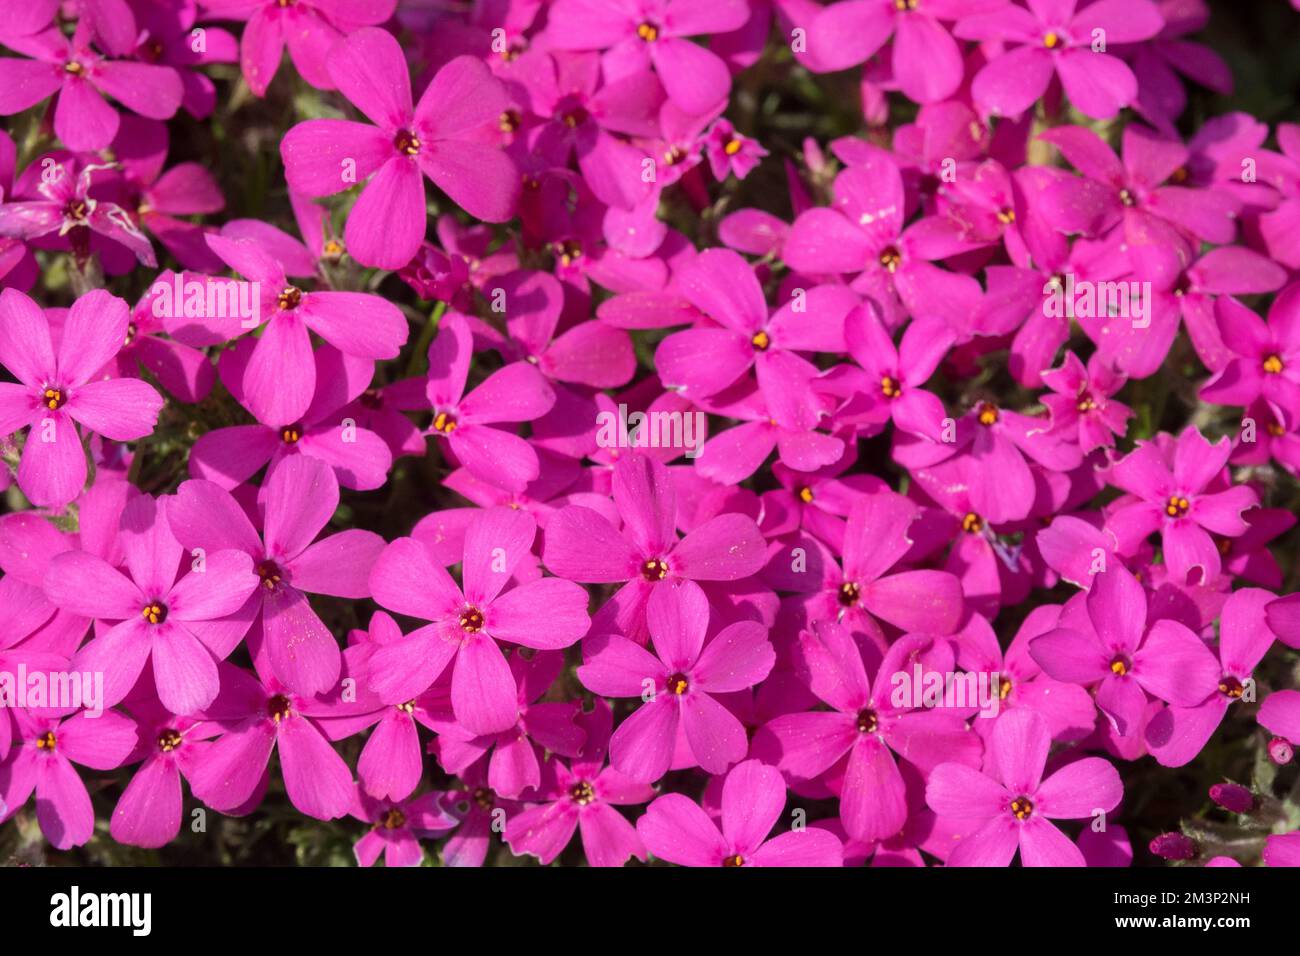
<point x="299" y="499"/>
<point x="677" y="681"/>
<point x="856" y="740"/>
<point x="160" y="617"/>
<point x="582" y="796"/>
<point x="675" y="829"/>
<point x="42" y="760"/>
<point x="396" y="827"/>
<point x="465" y="624"/>
<point x="434" y="137"/>
<point x="1113" y="645"/>
<point x="583" y="545"/>
<point x="1013" y="805"/>
<point x="55" y="391"/>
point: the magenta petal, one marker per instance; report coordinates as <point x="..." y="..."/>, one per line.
<point x="122" y="409"/>
<point x="962" y="792"/>
<point x="302" y="650"/>
<point x="1041" y="844"/>
<point x="873" y="802"/>
<point x="390" y="763"/>
<point x="675" y="829"/>
<point x="316" y="779"/>
<point x="548" y="614"/>
<point x="62" y="804"/>
<point x="387" y="223"/>
<point x="149" y="811"/>
<point x="993" y="844"/>
<point x="726" y="548"/>
<point x="642" y="745"/>
<point x="483" y="693"/>
<point x="1079" y="789"/>
<point x="753" y="797"/>
<point x="1019" y="750"/>
<point x="716" y="737"/>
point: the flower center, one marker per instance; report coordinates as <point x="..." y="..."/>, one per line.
<point x="654" y="569"/>
<point x="1022" y="808"/>
<point x="1274" y="429"/>
<point x="155" y="612"/>
<point x="734" y="860"/>
<point x="407" y="142"/>
<point x="483" y="797"/>
<point x="444" y="423"/>
<point x="647" y="31"/>
<point x="290" y="434"/>
<point x="1086" y="402"/>
<point x="269" y="572"/>
<point x="972" y="523"/>
<point x="889" y="387"/>
<point x="569" y="251"/>
<point x="988" y="414"/>
<point x="732" y="147"/>
<point x="1006" y="215"/>
<point x="131" y="332"/>
<point x="849" y="593"/>
<point x="1127" y="198"/>
<point x="867" y="722"/>
<point x="509" y="121"/>
<point x="1230" y="687"/>
<point x="54" y="398"/>
<point x="407" y="707"/>
<point x="582" y="793"/>
<point x="1273" y="364"/>
<point x="333" y="249"/>
<point x="575" y="117"/>
<point x="1177" y="506"/>
<point x="677" y="684"/>
<point x="278" y="708"/>
<point x="471" y="620"/>
<point x="74" y="68"/>
<point x="1004" y="688"/>
<point x="806" y="495"/>
<point x="1052" y="40"/>
<point x="890" y="258"/>
<point x="290" y="298"/>
<point x="1120" y="665"/>
<point x="168" y="740"/>
<point x="45" y="741"/>
<point x="76" y="210"/>
<point x="761" y="341"/>
<point x="393" y="819"/>
<point x="902" y="6"/>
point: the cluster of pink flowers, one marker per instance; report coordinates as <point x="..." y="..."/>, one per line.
<point x="854" y="536"/>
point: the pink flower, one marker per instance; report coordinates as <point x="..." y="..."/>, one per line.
<point x="436" y="137"/>
<point x="159" y="617"/>
<point x="42" y="761"/>
<point x="1113" y="646"/>
<point x="396" y="827"/>
<point x="582" y="545"/>
<point x="582" y="796"/>
<point x="465" y="625"/>
<point x="677" y="682"/>
<point x="299" y="499"/>
<point x="638" y="35"/>
<point x="55" y="390"/>
<point x="81" y="76"/>
<point x="1011" y="805"/>
<point x="675" y="829"/>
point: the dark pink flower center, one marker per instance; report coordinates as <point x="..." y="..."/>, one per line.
<point x="54" y="398"/>
<point x="278" y="708"/>
<point x="582" y="793"/>
<point x="868" y="722"/>
<point x="1230" y="687"/>
<point x="471" y="620"/>
<point x="155" y="612"/>
<point x="393" y="819"/>
<point x="1022" y="808"/>
<point x="270" y="574"/>
<point x="677" y="684"/>
<point x="290" y="298"/>
<point x="407" y="142"/>
<point x="169" y="740"/>
<point x="654" y="569"/>
<point x="849" y="593"/>
<point x="291" y="434"/>
<point x="1177" y="506"/>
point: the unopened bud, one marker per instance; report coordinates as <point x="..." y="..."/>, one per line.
<point x="1173" y="846"/>
<point x="1280" y="751"/>
<point x="1233" y="796"/>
